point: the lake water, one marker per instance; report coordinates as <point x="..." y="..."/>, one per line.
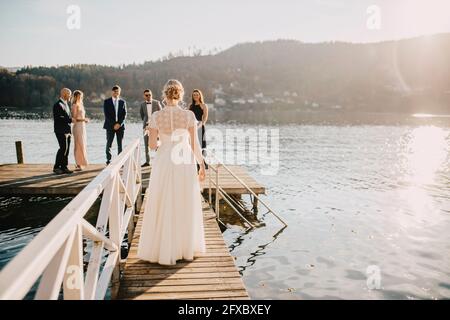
<point x="357" y="199"/>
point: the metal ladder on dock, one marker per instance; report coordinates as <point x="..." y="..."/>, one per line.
<point x="220" y="193"/>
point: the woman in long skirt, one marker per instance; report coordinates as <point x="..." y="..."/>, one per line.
<point x="79" y="130"/>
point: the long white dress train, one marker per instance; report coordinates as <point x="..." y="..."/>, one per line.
<point x="172" y="227"/>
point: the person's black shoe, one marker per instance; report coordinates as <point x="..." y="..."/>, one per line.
<point x="108" y="162"/>
<point x="67" y="171"/>
<point x="58" y="171"/>
<point x="145" y="165"/>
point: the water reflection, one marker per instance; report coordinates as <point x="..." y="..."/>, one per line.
<point x="427" y="152"/>
<point x="353" y="197"/>
<point x="251" y="260"/>
<point x="427" y="158"/>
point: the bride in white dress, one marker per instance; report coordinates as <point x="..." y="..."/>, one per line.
<point x="172" y="227"/>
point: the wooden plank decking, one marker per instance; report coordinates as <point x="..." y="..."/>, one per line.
<point x="210" y="276"/>
<point x="38" y="179"/>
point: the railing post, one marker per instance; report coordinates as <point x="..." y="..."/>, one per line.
<point x="114" y="212"/>
<point x="209" y="187"/>
<point x="217" y="192"/>
<point x="138" y="204"/>
<point x="93" y="270"/>
<point x="115" y="227"/>
<point x="73" y="278"/>
<point x="54" y="274"/>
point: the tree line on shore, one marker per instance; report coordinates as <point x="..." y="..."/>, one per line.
<point x="404" y="76"/>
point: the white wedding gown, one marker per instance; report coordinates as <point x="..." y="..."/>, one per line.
<point x="172" y="227"/>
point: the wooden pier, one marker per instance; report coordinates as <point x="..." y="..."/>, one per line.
<point x="39" y="179"/>
<point x="213" y="275"/>
<point x="210" y="276"/>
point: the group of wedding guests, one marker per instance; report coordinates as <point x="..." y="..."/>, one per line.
<point x="70" y="122"/>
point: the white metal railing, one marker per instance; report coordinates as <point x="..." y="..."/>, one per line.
<point x="221" y="193"/>
<point x="56" y="253"/>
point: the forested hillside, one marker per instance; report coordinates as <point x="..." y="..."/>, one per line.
<point x="397" y="76"/>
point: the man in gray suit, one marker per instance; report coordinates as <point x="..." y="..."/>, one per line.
<point x="147" y="108"/>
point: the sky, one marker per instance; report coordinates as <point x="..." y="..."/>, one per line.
<point x="113" y="32"/>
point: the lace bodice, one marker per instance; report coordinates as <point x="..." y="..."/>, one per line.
<point x="172" y="118"/>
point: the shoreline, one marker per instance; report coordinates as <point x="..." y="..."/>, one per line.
<point x="299" y="117"/>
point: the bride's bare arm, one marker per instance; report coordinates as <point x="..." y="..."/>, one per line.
<point x="74" y="112"/>
<point x="152" y="131"/>
<point x="195" y="145"/>
<point x="153" y="138"/>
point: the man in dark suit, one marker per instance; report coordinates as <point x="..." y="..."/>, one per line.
<point x="61" y="122"/>
<point x="115" y="110"/>
<point x="147" y="108"/>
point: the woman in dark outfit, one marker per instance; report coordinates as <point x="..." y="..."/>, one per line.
<point x="200" y="110"/>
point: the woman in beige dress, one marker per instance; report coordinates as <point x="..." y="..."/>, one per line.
<point x="79" y="130"/>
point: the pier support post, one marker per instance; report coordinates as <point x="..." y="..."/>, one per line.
<point x="19" y="152"/>
<point x="255" y="204"/>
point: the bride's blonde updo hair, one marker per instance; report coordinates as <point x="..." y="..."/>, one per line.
<point x="173" y="90"/>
